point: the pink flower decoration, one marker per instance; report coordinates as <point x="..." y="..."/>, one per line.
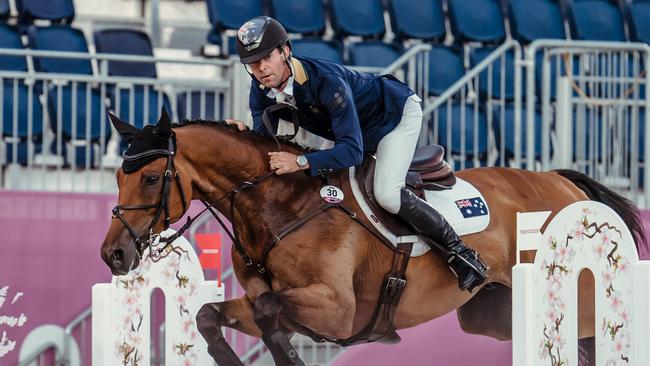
<point x="608" y="276"/>
<point x="623" y="264"/>
<point x="606" y="238"/>
<point x="615" y="302"/>
<point x="600" y="251"/>
<point x="625" y="316"/>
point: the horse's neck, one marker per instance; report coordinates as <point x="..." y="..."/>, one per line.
<point x="221" y="159"/>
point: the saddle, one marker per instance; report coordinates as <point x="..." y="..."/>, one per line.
<point x="428" y="171"/>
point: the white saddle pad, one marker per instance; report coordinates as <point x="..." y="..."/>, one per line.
<point x="463" y="206"/>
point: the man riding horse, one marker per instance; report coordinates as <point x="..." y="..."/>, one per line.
<point x="360" y="112"/>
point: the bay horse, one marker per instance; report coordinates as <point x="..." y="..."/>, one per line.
<point x="325" y="276"/>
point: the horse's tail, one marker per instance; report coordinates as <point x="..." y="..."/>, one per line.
<point x="621" y="205"/>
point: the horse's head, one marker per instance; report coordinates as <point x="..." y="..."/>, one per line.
<point x="153" y="192"/>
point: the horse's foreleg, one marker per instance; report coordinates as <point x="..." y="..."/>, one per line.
<point x="268" y="308"/>
<point x="236" y="314"/>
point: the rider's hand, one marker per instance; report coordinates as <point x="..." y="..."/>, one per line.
<point x="283" y="162"/>
<point x="241" y="126"/>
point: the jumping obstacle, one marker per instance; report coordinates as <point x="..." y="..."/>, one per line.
<point x="121" y="317"/>
<point x="584" y="235"/>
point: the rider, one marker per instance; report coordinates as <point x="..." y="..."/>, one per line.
<point x="359" y="112"/>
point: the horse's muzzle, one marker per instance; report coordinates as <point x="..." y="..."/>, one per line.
<point x="120" y="260"/>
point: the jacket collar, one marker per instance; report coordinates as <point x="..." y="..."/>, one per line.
<point x="300" y="76"/>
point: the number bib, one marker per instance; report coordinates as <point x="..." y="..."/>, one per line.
<point x="331" y="194"/>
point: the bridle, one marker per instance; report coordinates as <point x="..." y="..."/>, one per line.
<point x="147" y="239"/>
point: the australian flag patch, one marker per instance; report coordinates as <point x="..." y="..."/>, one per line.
<point x="472" y="207"/>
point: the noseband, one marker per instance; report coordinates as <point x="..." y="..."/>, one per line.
<point x="163" y="204"/>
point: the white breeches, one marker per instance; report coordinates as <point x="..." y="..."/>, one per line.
<point x="394" y="154"/>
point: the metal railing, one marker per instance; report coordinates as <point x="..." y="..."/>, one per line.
<point x="587" y="109"/>
<point x="58" y="136"/>
<point x="462" y="118"/>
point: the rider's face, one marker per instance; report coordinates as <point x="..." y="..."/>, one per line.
<point x="272" y="69"/>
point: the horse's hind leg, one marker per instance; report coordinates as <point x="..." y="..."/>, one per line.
<point x="268" y="308"/>
<point x="488" y="313"/>
<point x="236" y="314"/>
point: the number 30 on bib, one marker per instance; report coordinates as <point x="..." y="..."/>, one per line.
<point x="331" y="194"/>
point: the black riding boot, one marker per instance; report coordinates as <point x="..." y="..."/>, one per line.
<point x="463" y="261"/>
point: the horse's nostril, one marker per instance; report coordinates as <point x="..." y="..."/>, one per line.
<point x="117" y="258"/>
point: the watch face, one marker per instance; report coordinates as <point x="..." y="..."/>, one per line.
<point x="302" y="160"/>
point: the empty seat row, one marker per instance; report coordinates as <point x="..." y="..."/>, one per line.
<point x="470" y="20"/>
<point x="463" y="129"/>
<point x="75" y="109"/>
<point x="56" y="11"/>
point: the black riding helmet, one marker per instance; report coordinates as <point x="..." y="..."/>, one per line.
<point x="258" y="37"/>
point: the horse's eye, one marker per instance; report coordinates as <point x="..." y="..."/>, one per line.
<point x="151" y="180"/>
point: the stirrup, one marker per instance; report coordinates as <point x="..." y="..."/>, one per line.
<point x="480" y="274"/>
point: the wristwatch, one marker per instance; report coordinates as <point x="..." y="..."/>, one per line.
<point x="302" y="161"/>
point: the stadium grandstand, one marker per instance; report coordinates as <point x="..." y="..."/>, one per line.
<point x="531" y="84"/>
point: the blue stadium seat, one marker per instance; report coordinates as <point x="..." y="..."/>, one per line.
<point x="230" y="14"/>
<point x="18" y="131"/>
<point x="142" y="97"/>
<point x="73" y="125"/>
<point x="450" y="122"/>
<point x="305" y="16"/>
<point x="417" y="19"/>
<point x="195" y="104"/>
<point x="56" y="11"/>
<point x="79" y="131"/>
<point x="596" y="20"/>
<point x="126" y="42"/>
<point x="642" y="113"/>
<point x="22" y="124"/>
<point x="22" y="154"/>
<point x="10" y="38"/>
<point x="479" y="54"/>
<point x="504" y="124"/>
<point x="535" y="19"/>
<point x="637" y="14"/>
<point x="318" y="48"/>
<point x="61" y="99"/>
<point x="59" y="38"/>
<point x="364" y="18"/>
<point x="5" y="9"/>
<point x="373" y="53"/>
<point x="477" y="21"/>
<point x="445" y="68"/>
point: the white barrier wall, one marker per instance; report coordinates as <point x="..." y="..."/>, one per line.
<point x="583" y="235"/>
<point x="121" y="318"/>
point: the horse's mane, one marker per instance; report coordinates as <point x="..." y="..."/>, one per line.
<point x="248" y="134"/>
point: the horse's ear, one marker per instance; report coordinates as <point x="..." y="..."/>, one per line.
<point x="164" y="123"/>
<point x="126" y="130"/>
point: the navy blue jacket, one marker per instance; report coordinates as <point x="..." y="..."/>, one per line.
<point x="353" y="109"/>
